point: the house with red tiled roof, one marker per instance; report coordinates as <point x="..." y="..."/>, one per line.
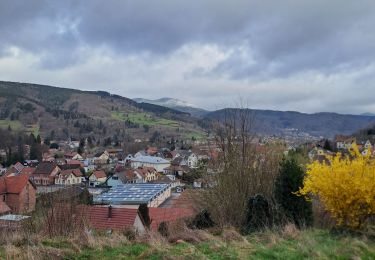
<point x="344" y="142"/>
<point x="97" y="178"/>
<point x="17" y="194"/>
<point x="45" y="173"/>
<point x="28" y="170"/>
<point x="141" y="175"/>
<point x="69" y="177"/>
<point x="168" y="216"/>
<point x="113" y="218"/>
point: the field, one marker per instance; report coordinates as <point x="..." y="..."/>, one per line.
<point x="143" y="119"/>
<point x="32" y="129"/>
<point x="288" y="243"/>
<point x="14" y="125"/>
<point x="197" y="135"/>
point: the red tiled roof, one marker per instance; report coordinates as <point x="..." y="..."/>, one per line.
<point x="169" y="215"/>
<point x="45" y="168"/>
<point x="99" y="174"/>
<point x="28" y="170"/>
<point x="74" y="162"/>
<point x="121" y="218"/>
<point x="13" y="184"/>
<point x="75" y="172"/>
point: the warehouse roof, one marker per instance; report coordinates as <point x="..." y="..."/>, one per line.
<point x="132" y="193"/>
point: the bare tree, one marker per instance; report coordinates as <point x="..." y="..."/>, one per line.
<point x="242" y="169"/>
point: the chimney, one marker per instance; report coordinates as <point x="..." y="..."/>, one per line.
<point x="110" y="211"/>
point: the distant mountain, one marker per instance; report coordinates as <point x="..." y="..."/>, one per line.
<point x="284" y="123"/>
<point x="61" y="113"/>
<point x="368" y="114"/>
<point x="176" y="104"/>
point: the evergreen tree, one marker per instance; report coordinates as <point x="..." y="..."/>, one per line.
<point x="289" y="181"/>
<point x="327" y="145"/>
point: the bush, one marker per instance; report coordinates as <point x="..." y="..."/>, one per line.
<point x="163" y="229"/>
<point x="202" y="220"/>
<point x="259" y="214"/>
<point x="345" y="185"/>
<point x="295" y="208"/>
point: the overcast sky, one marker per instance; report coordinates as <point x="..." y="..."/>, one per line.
<point x="308" y="56"/>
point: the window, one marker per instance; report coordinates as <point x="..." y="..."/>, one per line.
<point x="115" y="178"/>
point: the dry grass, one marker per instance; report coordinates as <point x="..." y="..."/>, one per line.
<point x="184" y="243"/>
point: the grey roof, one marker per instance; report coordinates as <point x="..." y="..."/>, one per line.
<point x="150" y="159"/>
<point x="127" y="194"/>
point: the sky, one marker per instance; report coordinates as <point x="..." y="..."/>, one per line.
<point x="302" y="55"/>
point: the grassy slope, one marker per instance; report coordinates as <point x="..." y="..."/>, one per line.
<point x="316" y="244"/>
<point x="143" y="119"/>
<point x="311" y="244"/>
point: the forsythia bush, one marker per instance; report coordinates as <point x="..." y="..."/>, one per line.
<point x="345" y="184"/>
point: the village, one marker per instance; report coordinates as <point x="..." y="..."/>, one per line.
<point x="119" y="183"/>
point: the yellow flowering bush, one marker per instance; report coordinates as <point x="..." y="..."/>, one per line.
<point x="345" y="184"/>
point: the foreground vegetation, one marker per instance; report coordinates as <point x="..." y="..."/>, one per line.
<point x="288" y="243"/>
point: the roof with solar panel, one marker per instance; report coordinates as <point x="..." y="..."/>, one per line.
<point x="132" y="194"/>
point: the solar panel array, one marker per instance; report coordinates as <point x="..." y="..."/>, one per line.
<point x="132" y="193"/>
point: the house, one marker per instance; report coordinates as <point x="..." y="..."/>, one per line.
<point x="111" y="218"/>
<point x="368" y="145"/>
<point x="344" y="142"/>
<point x="74" y="164"/>
<point x="141" y="175"/>
<point x="101" y="158"/>
<point x="97" y="178"/>
<point x="113" y="153"/>
<point x="17" y="194"/>
<point x="45" y="173"/>
<point x="188" y="158"/>
<point x="69" y="177"/>
<point x="116" y="179"/>
<point x="73" y="156"/>
<point x="149" y="161"/>
<point x="176" y="170"/>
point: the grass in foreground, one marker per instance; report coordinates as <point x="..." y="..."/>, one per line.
<point x="289" y="243"/>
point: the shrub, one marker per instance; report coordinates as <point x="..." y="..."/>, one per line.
<point x="163" y="229"/>
<point x="202" y="220"/>
<point x="295" y="208"/>
<point x="345" y="184"/>
<point x="259" y="214"/>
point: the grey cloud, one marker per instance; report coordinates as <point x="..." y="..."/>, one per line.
<point x="267" y="41"/>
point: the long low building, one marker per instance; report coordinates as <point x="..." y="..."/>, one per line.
<point x="150" y="161"/>
<point x="152" y="194"/>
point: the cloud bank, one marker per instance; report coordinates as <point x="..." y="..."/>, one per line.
<point x="308" y="56"/>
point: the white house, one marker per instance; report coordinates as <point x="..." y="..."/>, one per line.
<point x="150" y="161"/>
<point x="69" y="177"/>
<point x="102" y="158"/>
<point x="192" y="160"/>
<point x="97" y="178"/>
